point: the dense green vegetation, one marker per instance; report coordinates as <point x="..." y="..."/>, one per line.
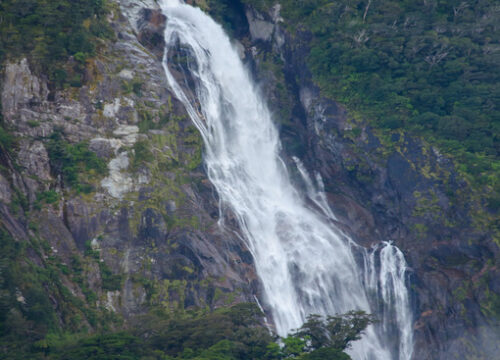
<point x="226" y="334"/>
<point x="34" y="302"/>
<point x="49" y="31"/>
<point x="430" y="67"/>
<point x="74" y="160"/>
<point x="6" y="139"/>
<point x="46" y="197"/>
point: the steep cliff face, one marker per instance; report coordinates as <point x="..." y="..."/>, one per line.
<point x="389" y="187"/>
<point x="104" y="199"/>
<point x="104" y="188"/>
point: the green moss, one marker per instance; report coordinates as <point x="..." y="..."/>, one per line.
<point x="33" y="123"/>
<point x="148" y="121"/>
<point x="353" y="133"/>
<point x="168" y="155"/>
<point x="427" y="206"/>
<point x="419" y="229"/>
<point x="272" y="65"/>
<point x="460" y="294"/>
<point x="218" y="294"/>
<point x="33" y="226"/>
<point x="19" y="202"/>
<point x="168" y="294"/>
<point x="90" y="252"/>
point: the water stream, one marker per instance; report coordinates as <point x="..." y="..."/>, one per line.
<point x="305" y="263"/>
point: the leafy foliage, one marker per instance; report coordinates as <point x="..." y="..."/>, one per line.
<point x="120" y="345"/>
<point x="238" y="324"/>
<point x="336" y="331"/>
<point x="49" y="31"/>
<point x="328" y="337"/>
<point x="71" y="160"/>
<point x="110" y="281"/>
<point x="233" y="333"/>
<point x="6" y="140"/>
<point x="326" y="353"/>
<point x="46" y="197"/>
<point x="229" y="13"/>
<point x="429" y="67"/>
<point x="28" y="293"/>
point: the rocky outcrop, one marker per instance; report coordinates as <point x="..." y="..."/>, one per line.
<point x="22" y="90"/>
<point x="151" y="26"/>
<point x="144" y="233"/>
<point x="260" y="27"/>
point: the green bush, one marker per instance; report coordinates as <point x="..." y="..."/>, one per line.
<point x="26" y="311"/>
<point x="46" y="197"/>
<point x="100" y="347"/>
<point x="6" y="140"/>
<point x="109" y="280"/>
<point x="142" y="154"/>
<point x="71" y="160"/>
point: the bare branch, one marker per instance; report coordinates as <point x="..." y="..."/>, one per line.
<point x="458" y="9"/>
<point x="436" y="58"/>
<point x="366" y="9"/>
<point x="361" y="37"/>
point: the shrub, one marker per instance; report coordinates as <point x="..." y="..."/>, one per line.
<point x="71" y="160"/>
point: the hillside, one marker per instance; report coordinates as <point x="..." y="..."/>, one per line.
<point x="110" y="233"/>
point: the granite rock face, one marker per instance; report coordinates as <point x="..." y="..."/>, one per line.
<point x="146" y="232"/>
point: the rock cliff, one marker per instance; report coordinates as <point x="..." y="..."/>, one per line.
<point x="105" y="188"/>
<point x="140" y="230"/>
<point x="393" y="187"/>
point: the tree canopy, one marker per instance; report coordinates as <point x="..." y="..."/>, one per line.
<point x="429" y="67"/>
<point x="48" y="32"/>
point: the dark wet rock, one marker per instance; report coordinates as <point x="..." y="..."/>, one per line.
<point x="151" y="26"/>
<point x="401" y="175"/>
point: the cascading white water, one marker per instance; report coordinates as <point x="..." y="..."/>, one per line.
<point x="384" y="270"/>
<point x="306" y="265"/>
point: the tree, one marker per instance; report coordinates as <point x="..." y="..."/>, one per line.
<point x="344" y="329"/>
<point x="326" y="353"/>
<point x="326" y="338"/>
<point x="315" y="330"/>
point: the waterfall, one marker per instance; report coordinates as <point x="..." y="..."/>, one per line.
<point x="305" y="263"/>
<point x="385" y="274"/>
